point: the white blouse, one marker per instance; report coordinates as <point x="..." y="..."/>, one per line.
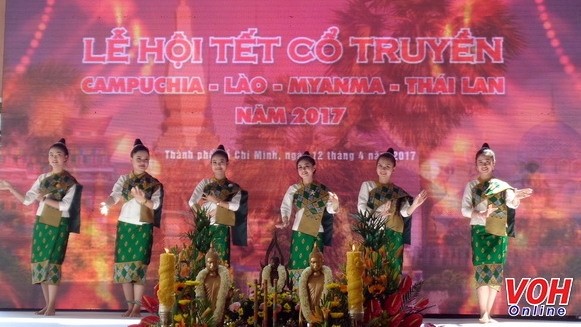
<point x="287" y="205"/>
<point x="64" y="204"/>
<point x="131" y="210"/>
<point x="363" y="198"/>
<point x="471" y="212"/>
<point x="210" y="207"/>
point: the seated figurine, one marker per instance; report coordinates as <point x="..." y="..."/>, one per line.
<point x="312" y="287"/>
<point x="214" y="284"/>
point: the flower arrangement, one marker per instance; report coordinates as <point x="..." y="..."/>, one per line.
<point x="334" y="305"/>
<point x="189" y="309"/>
<point x="391" y="299"/>
<point x="252" y="309"/>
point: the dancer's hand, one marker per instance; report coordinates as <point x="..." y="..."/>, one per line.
<point x="385" y="209"/>
<point x="334" y="201"/>
<point x="284" y="223"/>
<point x="104" y="209"/>
<point x="211" y="198"/>
<point x="4" y="185"/>
<point x="523" y="193"/>
<point x="138" y="195"/>
<point x="486" y="213"/>
<point x="419" y="200"/>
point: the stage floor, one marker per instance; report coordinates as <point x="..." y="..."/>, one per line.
<point x="113" y="319"/>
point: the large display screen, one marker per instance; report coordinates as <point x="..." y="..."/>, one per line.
<point x="345" y="80"/>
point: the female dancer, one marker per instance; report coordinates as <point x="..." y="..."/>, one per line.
<point x="489" y="203"/>
<point x="58" y="213"/>
<point x="314" y="208"/>
<point x="225" y="202"/>
<point x="392" y="203"/>
<point x="143" y="196"/>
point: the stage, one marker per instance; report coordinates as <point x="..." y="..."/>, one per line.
<point x="114" y="319"/>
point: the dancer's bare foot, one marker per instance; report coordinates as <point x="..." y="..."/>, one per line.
<point x="40" y="312"/>
<point x="484" y="319"/>
<point x="49" y="312"/>
<point x="130" y="305"/>
<point x="492" y="321"/>
<point x="136" y="312"/>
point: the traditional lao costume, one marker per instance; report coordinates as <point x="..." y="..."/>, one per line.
<point x="221" y="219"/>
<point x="313" y="222"/>
<point x="489" y="236"/>
<point x="52" y="226"/>
<point x="373" y="198"/>
<point x="134" y="239"/>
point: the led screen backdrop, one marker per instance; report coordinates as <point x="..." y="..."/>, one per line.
<point x="344" y="80"/>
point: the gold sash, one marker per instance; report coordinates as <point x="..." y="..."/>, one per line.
<point x="146" y="215"/>
<point x="493" y="192"/>
<point x="149" y="185"/>
<point x="50" y="216"/>
<point x="394" y="219"/>
<point x="389" y="193"/>
<point x="496" y="223"/>
<point x="310" y="223"/>
<point x="225" y="216"/>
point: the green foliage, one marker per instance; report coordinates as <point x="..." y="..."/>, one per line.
<point x="190" y="310"/>
<point x="201" y="235"/>
<point x="370" y="227"/>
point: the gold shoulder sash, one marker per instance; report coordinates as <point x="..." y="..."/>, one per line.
<point x="224" y="190"/>
<point x="493" y="192"/>
<point x="55" y="187"/>
<point x="389" y="193"/>
<point x="313" y="199"/>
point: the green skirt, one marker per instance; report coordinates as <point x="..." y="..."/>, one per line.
<point x="488" y="257"/>
<point x="132" y="252"/>
<point x="394" y="251"/>
<point x="301" y="248"/>
<point x="221" y="241"/>
<point x="49" y="245"/>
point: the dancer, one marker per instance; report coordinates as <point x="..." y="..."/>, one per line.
<point x="489" y="203"/>
<point x="226" y="204"/>
<point x="391" y="202"/>
<point x="314" y="208"/>
<point x="58" y="213"/>
<point x="143" y="196"/>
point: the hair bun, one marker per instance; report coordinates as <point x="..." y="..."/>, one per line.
<point x="307" y="153"/>
<point x="485" y="146"/>
<point x="62" y="140"/>
<point x="220" y="150"/>
<point x="137" y="142"/>
<point x="390" y="151"/>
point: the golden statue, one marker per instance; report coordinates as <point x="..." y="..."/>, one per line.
<point x="312" y="287"/>
<point x="214" y="284"/>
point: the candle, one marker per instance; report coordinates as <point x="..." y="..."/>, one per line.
<point x="354" y="272"/>
<point x="165" y="294"/>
